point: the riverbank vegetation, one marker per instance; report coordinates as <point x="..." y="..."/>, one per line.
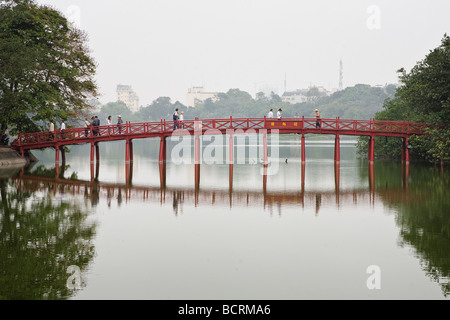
<point x="46" y="71"/>
<point x="424" y="96"/>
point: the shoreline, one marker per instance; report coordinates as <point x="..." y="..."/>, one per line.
<point x="10" y="158"/>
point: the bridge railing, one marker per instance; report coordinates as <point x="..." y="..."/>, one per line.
<point x="336" y="125"/>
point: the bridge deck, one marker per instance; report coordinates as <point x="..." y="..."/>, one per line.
<point x="163" y="128"/>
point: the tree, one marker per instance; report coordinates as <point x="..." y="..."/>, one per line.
<point x="45" y="68"/>
<point x="114" y="109"/>
<point x="424" y="96"/>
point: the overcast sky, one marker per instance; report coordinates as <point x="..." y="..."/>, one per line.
<point x="163" y="47"/>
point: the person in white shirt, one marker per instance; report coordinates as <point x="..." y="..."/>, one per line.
<point x="181" y="120"/>
<point x="270" y="114"/>
<point x="52" y="129"/>
<point x="279" y="114"/>
<point x="63" y="128"/>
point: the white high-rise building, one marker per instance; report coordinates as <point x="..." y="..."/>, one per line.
<point x="126" y="95"/>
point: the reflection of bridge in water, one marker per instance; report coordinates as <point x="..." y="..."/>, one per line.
<point x="178" y="196"/>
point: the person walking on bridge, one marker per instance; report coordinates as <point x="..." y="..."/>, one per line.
<point x="317" y="118"/>
<point x="87" y="125"/>
<point x="52" y="130"/>
<point x="96" y="124"/>
<point x="119" y="123"/>
<point x="63" y="129"/>
<point x="181" y="120"/>
<point x="175" y="119"/>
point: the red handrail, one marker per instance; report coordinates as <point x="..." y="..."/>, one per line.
<point x="337" y="126"/>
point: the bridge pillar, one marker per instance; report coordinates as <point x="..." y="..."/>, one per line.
<point x="406" y="148"/>
<point x="230" y="147"/>
<point x="129" y="173"/>
<point x="303" y="148"/>
<point x="337" y="150"/>
<point x="266" y="155"/>
<point x="57" y="154"/>
<point x="303" y="178"/>
<point x="131" y="150"/>
<point x="337" y="173"/>
<point x="372" y="182"/>
<point x="97" y="152"/>
<point x="63" y="154"/>
<point x="372" y="149"/>
<point x="197" y="183"/>
<point x="197" y="150"/>
<point x="92" y="152"/>
<point x="128" y="151"/>
<point x="162" y="150"/>
<point x="162" y="175"/>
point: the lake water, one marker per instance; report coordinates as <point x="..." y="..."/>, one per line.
<point x="218" y="232"/>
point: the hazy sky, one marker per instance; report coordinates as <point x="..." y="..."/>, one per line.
<point x="163" y="47"/>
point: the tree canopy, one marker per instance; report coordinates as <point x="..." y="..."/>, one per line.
<point x="46" y="71"/>
<point x="424" y="96"/>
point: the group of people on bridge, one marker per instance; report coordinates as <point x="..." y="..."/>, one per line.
<point x="280" y="116"/>
<point x="92" y="125"/>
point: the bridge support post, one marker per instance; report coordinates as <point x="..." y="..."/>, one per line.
<point x="63" y="154"/>
<point x="131" y="150"/>
<point x="303" y="184"/>
<point x="372" y="182"/>
<point x="230" y="147"/>
<point x="337" y="173"/>
<point x="57" y="154"/>
<point x="197" y="149"/>
<point x="97" y="152"/>
<point x="303" y="148"/>
<point x="162" y="175"/>
<point x="162" y="150"/>
<point x="129" y="173"/>
<point x="92" y="152"/>
<point x="406" y="148"/>
<point x="337" y="150"/>
<point x="372" y="149"/>
<point x="266" y="155"/>
<point x="128" y="151"/>
<point x="197" y="183"/>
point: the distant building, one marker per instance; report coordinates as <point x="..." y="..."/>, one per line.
<point x="293" y="97"/>
<point x="304" y="95"/>
<point x="198" y="95"/>
<point x="126" y="95"/>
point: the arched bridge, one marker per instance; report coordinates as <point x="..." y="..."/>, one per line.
<point x="232" y="126"/>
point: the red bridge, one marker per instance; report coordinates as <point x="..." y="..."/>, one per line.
<point x="232" y="126"/>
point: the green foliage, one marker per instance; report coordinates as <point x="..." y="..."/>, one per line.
<point x="423" y="97"/>
<point x="161" y="108"/>
<point x="45" y="68"/>
<point x="114" y="109"/>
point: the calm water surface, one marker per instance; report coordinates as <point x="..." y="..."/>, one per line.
<point x="151" y="232"/>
